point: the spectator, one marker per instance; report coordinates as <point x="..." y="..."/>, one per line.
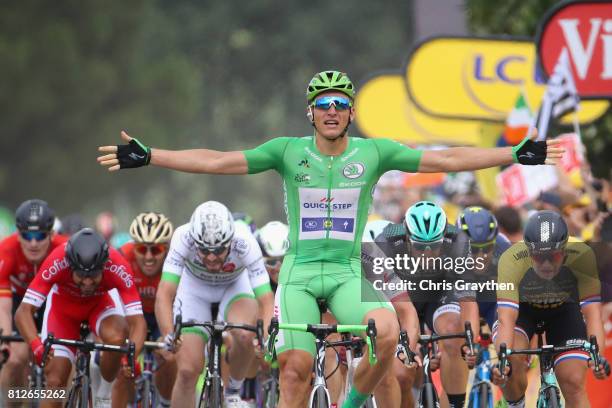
<point x="510" y="224"/>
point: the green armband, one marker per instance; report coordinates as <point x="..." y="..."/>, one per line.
<point x="262" y="290"/>
<point x="170" y="277"/>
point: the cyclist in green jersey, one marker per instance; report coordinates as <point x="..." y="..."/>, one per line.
<point x="328" y="180"/>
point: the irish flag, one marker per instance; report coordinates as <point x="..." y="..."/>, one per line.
<point x="517" y="122"/>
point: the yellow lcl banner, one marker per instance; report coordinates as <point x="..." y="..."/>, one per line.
<point x="480" y="79"/>
<point x="384" y="110"/>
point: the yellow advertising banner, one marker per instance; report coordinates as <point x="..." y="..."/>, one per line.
<point x="383" y="109"/>
<point x="479" y="79"/>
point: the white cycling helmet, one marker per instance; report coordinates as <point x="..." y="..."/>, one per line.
<point x="373" y="229"/>
<point x="211" y="225"/>
<point x="273" y="238"/>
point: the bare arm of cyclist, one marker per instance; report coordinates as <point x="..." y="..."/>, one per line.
<point x="190" y="161"/>
<point x="138" y="331"/>
<point x="166" y="291"/>
<point x="408" y="319"/>
<point x="593" y="320"/>
<point x="474" y="158"/>
<point x="266" y="305"/>
<point x="505" y="332"/>
<point x="6" y="306"/>
<point x="24" y="320"/>
<point x="469" y="313"/>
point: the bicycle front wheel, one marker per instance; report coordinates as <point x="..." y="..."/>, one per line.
<point x="370" y="402"/>
<point x="213" y="393"/>
<point x="85" y="393"/>
<point x="271" y="398"/>
<point x="147" y="400"/>
<point x="428" y="397"/>
<point x="551" y="398"/>
<point x="485" y="399"/>
<point x="319" y="398"/>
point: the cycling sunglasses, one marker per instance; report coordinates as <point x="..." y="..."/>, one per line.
<point x="554" y="256"/>
<point x="326" y="102"/>
<point x="272" y="262"/>
<point x="215" y="251"/>
<point x="426" y="246"/>
<point x="34" y="235"/>
<point x="155" y="249"/>
<point x="483" y="247"/>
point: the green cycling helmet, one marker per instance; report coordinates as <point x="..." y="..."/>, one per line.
<point x="425" y="222"/>
<point x="329" y="81"/>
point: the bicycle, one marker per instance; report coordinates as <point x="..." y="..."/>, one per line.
<point x="481" y="393"/>
<point x="319" y="396"/>
<point x="36" y="377"/>
<point x="146" y="393"/>
<point x="270" y="386"/>
<point x="212" y="393"/>
<point x="549" y="394"/>
<point x="428" y="397"/>
<point x="80" y="389"/>
<point x="354" y="354"/>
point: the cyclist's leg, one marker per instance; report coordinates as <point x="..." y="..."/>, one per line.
<point x="57" y="372"/>
<point x="107" y="321"/>
<point x="238" y="305"/>
<point x="190" y="362"/>
<point x="387" y="392"/>
<point x="293" y="304"/>
<point x="355" y="301"/>
<point x="405" y="377"/>
<point x="568" y="328"/>
<point x="514" y="391"/>
<point x="193" y="300"/>
<point x="58" y="321"/>
<point x="446" y="319"/>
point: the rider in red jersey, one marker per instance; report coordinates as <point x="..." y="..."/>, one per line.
<point x="20" y="256"/>
<point x="151" y="233"/>
<point x="77" y="280"/>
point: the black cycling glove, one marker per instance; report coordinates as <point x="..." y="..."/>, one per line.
<point x="529" y="152"/>
<point x="133" y="155"/>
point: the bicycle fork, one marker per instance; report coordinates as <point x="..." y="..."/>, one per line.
<point x="319" y="388"/>
<point x="428" y="397"/>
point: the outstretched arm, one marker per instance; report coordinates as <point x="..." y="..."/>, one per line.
<point x="190" y="161"/>
<point x="475" y="158"/>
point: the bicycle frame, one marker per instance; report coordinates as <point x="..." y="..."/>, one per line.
<point x="548" y="380"/>
<point x="212" y="392"/>
<point x="144" y="384"/>
<point x="319" y="395"/>
<point x="482" y="377"/>
<point x="428" y="397"/>
<point x="81" y="383"/>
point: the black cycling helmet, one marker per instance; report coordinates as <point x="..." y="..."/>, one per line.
<point x="545" y="231"/>
<point x="34" y="215"/>
<point x="87" y="252"/>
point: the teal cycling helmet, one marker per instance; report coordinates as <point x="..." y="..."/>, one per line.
<point x="425" y="222"/>
<point x="329" y="81"/>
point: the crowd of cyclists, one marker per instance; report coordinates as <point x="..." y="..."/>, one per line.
<point x="316" y="268"/>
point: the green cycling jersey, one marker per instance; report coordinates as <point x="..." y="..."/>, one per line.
<point x="327" y="198"/>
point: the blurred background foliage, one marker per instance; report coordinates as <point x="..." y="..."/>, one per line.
<point x="180" y="74"/>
